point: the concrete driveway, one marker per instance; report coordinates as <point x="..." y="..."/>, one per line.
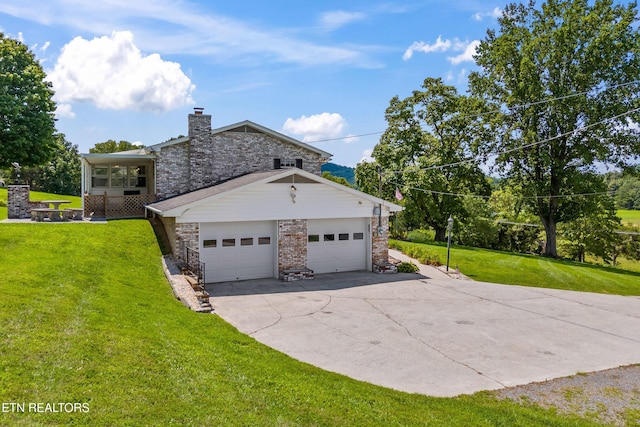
<point x="431" y="334"/>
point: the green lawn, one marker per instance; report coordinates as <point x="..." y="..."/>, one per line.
<point x="629" y="217"/>
<point x="531" y="270"/>
<point x="86" y="316"/>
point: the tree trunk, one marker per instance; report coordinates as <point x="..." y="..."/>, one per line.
<point x="441" y="234"/>
<point x="550" y="246"/>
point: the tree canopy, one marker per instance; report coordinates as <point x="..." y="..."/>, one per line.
<point x="426" y="130"/>
<point x="564" y="78"/>
<point x="112" y="146"/>
<point x="27" y="123"/>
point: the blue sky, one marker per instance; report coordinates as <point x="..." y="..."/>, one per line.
<point x="315" y="71"/>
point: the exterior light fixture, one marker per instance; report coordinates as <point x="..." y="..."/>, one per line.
<point x="293" y="193"/>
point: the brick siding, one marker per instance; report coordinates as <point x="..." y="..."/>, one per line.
<point x="206" y="159"/>
<point x="292" y="244"/>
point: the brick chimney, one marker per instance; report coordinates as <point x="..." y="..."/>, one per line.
<point x="200" y="149"/>
<point x="199" y="123"/>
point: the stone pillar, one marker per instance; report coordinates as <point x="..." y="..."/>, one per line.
<point x="292" y="244"/>
<point x="18" y="201"/>
<point x="187" y="235"/>
<point x="380" y="246"/>
<point x="200" y="155"/>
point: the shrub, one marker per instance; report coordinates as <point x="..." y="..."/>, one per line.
<point x="407" y="267"/>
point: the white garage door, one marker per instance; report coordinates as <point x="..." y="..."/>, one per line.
<point x="237" y="250"/>
<point x="337" y="245"/>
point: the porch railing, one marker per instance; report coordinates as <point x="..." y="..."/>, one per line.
<point x="103" y="206"/>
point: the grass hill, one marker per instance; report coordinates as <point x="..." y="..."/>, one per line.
<point x="87" y="317"/>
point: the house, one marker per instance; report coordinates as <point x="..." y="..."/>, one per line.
<point x="248" y="201"/>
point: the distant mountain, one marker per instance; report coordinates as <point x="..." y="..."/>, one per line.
<point x="340" y="171"/>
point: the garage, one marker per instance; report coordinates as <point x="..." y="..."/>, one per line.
<point x="237" y="250"/>
<point x="337" y="244"/>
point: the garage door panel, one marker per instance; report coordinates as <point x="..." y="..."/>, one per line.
<point x="237" y="251"/>
<point x="337" y="245"/>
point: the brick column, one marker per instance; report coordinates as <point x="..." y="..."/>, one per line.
<point x="292" y="244"/>
<point x="18" y="201"/>
<point x="379" y="242"/>
<point x="200" y="154"/>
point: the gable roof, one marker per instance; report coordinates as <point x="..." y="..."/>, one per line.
<point x="248" y="124"/>
<point x="175" y="206"/>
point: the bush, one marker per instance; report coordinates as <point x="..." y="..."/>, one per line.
<point x="407" y="267"/>
<point x="422" y="254"/>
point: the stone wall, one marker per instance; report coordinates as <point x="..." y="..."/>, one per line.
<point x="18" y="202"/>
<point x="186" y="235"/>
<point x="172" y="171"/>
<point x="379" y="242"/>
<point x="206" y="159"/>
<point x="292" y="244"/>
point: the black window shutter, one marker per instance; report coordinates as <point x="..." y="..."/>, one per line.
<point x="276" y="163"/>
<point x="299" y="163"/>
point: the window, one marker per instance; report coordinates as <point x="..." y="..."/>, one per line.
<point x="212" y="243"/>
<point x="246" y="241"/>
<point x="287" y="163"/>
<point x="329" y="237"/>
<point x="264" y="240"/>
<point x="343" y="236"/>
<point x="228" y="242"/>
<point x="358" y="236"/>
<point x="137" y="176"/>
<point x="119" y="176"/>
<point x="313" y="238"/>
<point x="100" y="176"/>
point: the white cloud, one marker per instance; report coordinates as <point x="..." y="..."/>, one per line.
<point x="64" y="110"/>
<point x="331" y="21"/>
<point x="467" y="55"/>
<point x="495" y="13"/>
<point x="316" y="127"/>
<point x="20" y="37"/>
<point x="112" y="73"/>
<point x="45" y="46"/>
<point x="439" y="46"/>
<point x="181" y="28"/>
<point x="366" y="156"/>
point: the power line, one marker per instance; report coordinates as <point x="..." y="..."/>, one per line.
<point x="533" y="144"/>
<point x="444" y="193"/>
<point x="514" y="107"/>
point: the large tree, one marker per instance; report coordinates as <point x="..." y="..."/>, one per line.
<point x="565" y="77"/>
<point x="27" y="123"/>
<point x="61" y="175"/>
<point x="430" y="129"/>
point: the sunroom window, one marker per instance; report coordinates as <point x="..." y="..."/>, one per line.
<point x="119" y="176"/>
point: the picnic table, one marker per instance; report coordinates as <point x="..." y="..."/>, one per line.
<point x="56" y="203"/>
<point x="54" y="214"/>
